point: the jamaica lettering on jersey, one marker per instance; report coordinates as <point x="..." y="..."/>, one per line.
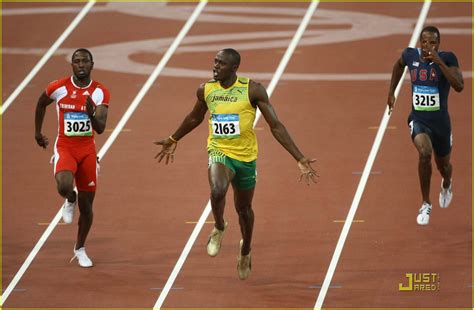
<point x="231" y="120"/>
<point x="430" y="89"/>
<point x="75" y="127"/>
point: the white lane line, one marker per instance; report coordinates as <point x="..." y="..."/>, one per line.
<point x="30" y="258"/>
<point x="289" y="52"/>
<point x="46" y="56"/>
<point x="367" y="169"/>
<point x="152" y="77"/>
<point x="207" y="210"/>
<point x="108" y="143"/>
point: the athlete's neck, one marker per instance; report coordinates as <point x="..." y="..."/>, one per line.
<point x="228" y="82"/>
<point x="81" y="82"/>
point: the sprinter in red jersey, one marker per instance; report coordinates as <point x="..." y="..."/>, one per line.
<point x="81" y="106"/>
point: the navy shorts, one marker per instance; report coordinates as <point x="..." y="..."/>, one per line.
<point x="440" y="135"/>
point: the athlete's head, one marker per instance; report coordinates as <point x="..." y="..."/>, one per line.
<point x="429" y="39"/>
<point x="82" y="63"/>
<point x="226" y="64"/>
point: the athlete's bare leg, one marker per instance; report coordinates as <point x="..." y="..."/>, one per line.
<point x="65" y="185"/>
<point x="445" y="168"/>
<point x="220" y="177"/>
<point x="425" y="149"/>
<point x="85" y="218"/>
<point x="243" y="206"/>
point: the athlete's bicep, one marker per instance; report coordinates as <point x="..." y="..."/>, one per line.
<point x="259" y="98"/>
<point x="44" y="100"/>
<point x="401" y="63"/>
<point x="456" y="71"/>
<point x="200" y="107"/>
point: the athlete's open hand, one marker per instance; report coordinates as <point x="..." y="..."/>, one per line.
<point x="41" y="140"/>
<point x="307" y="172"/>
<point x="167" y="152"/>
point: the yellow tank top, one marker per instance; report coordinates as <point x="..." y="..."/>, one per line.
<point x="231" y="120"/>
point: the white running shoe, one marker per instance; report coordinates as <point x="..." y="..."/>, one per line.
<point x="244" y="264"/>
<point x="68" y="210"/>
<point x="445" y="195"/>
<point x="215" y="241"/>
<point x="423" y="217"/>
<point x="82" y="259"/>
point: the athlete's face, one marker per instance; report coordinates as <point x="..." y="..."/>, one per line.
<point x="429" y="41"/>
<point x="82" y="65"/>
<point x="224" y="67"/>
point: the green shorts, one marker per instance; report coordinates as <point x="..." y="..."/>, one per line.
<point x="245" y="172"/>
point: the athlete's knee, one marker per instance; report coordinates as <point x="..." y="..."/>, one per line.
<point x="86" y="209"/>
<point x="218" y="192"/>
<point x="425" y="154"/>
<point x="244" y="211"/>
<point x="64" y="189"/>
<point x="85" y="203"/>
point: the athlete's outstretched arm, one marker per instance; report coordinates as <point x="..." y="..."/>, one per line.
<point x="43" y="102"/>
<point x="397" y="73"/>
<point x="191" y="121"/>
<point x="258" y="97"/>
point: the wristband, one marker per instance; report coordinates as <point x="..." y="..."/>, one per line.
<point x="173" y="139"/>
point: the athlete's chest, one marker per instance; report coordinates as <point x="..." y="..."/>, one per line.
<point x="424" y="73"/>
<point x="232" y="100"/>
<point x="73" y="99"/>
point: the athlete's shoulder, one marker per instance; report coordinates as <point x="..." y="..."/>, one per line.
<point x="212" y="81"/>
<point x="97" y="84"/>
<point x="253" y="84"/>
<point x="243" y="80"/>
<point x="410" y="52"/>
<point x="449" y="58"/>
<point x="56" y="84"/>
<point x="60" y="82"/>
<point x="257" y="91"/>
<point x="100" y="93"/>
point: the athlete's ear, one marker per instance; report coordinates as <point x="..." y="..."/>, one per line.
<point x="235" y="67"/>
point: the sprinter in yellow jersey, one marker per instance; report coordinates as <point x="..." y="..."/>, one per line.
<point x="232" y="146"/>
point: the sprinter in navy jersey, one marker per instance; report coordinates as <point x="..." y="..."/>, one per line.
<point x="432" y="73"/>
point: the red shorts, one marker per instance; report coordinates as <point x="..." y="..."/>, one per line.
<point x="81" y="161"/>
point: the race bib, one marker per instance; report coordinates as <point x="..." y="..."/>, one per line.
<point x="425" y="98"/>
<point x="77" y="124"/>
<point x="225" y="126"/>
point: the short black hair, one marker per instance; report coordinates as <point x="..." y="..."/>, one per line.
<point x="431" y="29"/>
<point x="234" y="54"/>
<point x="85" y="50"/>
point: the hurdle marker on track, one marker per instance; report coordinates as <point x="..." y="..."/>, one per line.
<point x="207" y="210"/>
<point x="108" y="143"/>
<point x="47" y="56"/>
<point x="367" y="169"/>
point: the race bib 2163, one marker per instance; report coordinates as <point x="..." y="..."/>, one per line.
<point x="225" y="126"/>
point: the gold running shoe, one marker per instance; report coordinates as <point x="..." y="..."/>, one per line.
<point x="215" y="240"/>
<point x="244" y="264"/>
